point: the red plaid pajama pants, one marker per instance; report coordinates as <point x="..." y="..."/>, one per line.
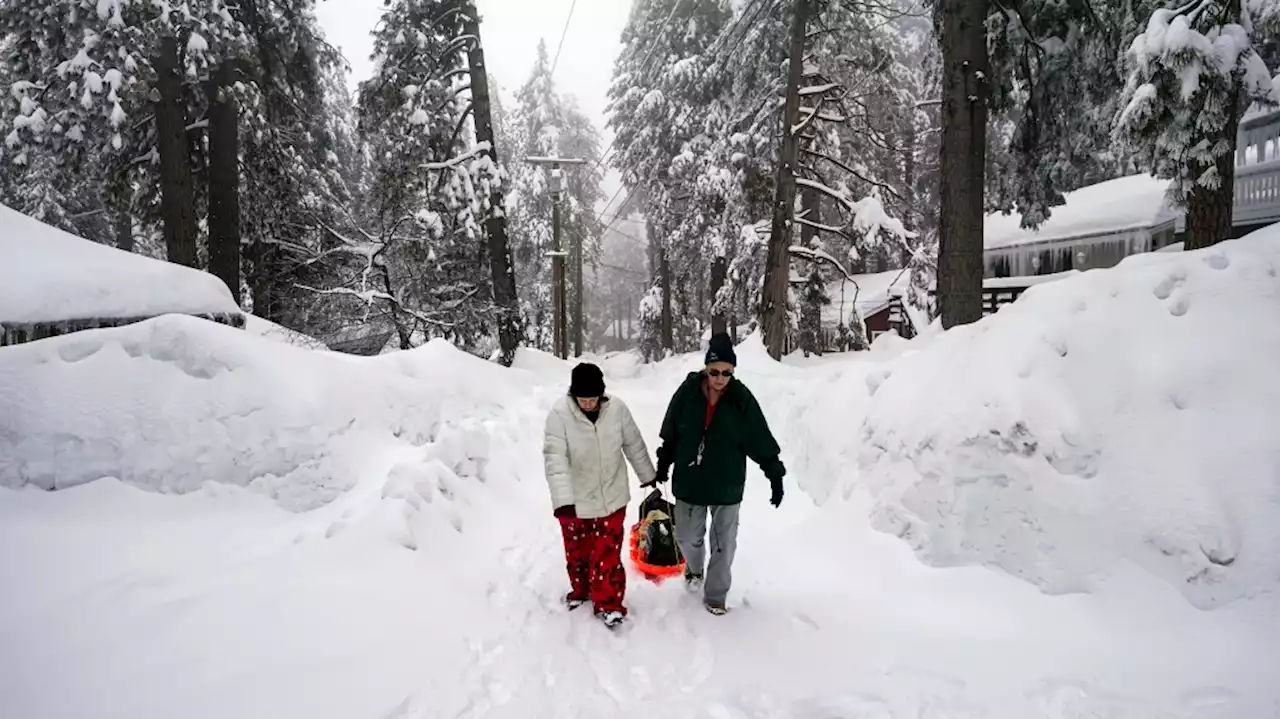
<point x="593" y="557"/>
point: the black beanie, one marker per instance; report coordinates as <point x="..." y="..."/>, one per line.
<point x="587" y="381"/>
<point x="720" y="349"/>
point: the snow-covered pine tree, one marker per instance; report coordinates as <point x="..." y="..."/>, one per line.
<point x="1055" y="79"/>
<point x="657" y="103"/>
<point x="301" y="163"/>
<point x="421" y="253"/>
<point x="534" y="129"/>
<point x="547" y="124"/>
<point x="85" y="82"/>
<point x="853" y="108"/>
<point x="1192" y="73"/>
<point x="580" y="138"/>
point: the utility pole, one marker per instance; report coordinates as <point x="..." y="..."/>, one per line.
<point x="557" y="254"/>
<point x="577" y="295"/>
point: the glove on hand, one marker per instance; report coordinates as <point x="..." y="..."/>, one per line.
<point x="776" y="499"/>
<point x="658" y="478"/>
<point x="566" y="512"/>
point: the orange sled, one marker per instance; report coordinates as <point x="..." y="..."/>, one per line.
<point x="655" y="573"/>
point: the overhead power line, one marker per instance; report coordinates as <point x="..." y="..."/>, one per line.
<point x="563" y="32"/>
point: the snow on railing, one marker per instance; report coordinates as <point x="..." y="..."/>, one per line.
<point x="1257" y="182"/>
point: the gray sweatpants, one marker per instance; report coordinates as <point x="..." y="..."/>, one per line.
<point x="691" y="532"/>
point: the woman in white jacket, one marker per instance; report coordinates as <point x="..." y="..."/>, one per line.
<point x="587" y="436"/>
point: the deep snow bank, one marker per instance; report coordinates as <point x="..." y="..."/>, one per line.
<point x="170" y="403"/>
<point x="1126" y="414"/>
<point x="48" y="275"/>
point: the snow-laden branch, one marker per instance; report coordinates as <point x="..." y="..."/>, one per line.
<point x="819" y="226"/>
<point x="366" y="296"/>
<point x="855" y="173"/>
<point x="821" y="256"/>
<point x="369" y="296"/>
<point x="818" y="89"/>
<point x="479" y="149"/>
<point x="869" y="216"/>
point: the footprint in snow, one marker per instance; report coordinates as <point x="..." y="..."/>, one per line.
<point x="805" y="620"/>
<point x="1209" y="697"/>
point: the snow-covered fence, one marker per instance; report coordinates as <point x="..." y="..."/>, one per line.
<point x="14" y="333"/>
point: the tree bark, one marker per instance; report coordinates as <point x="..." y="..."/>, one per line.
<point x="773" y="306"/>
<point x="501" y="269"/>
<point x="811" y="313"/>
<point x="962" y="33"/>
<point x="668" y="343"/>
<point x="909" y="181"/>
<point x="1209" y="212"/>
<point x="124" y="231"/>
<point x="719" y="271"/>
<point x="260" y="280"/>
<point x="224" y="178"/>
<point x="177" y="189"/>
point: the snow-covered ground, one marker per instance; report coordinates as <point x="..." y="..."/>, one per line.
<point x="377" y="540"/>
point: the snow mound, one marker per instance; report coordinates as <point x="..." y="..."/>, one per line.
<point x="1123" y="415"/>
<point x="48" y="275"/>
<point x="260" y="327"/>
<point x="171" y="403"/>
<point x="543" y="364"/>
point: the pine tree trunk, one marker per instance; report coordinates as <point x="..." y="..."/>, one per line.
<point x="224" y="179"/>
<point x="719" y="271"/>
<point x="962" y="156"/>
<point x="177" y="189"/>
<point x="773" y="309"/>
<point x="909" y="182"/>
<point x="811" y="313"/>
<point x="124" y="231"/>
<point x="259" y="280"/>
<point x="668" y="342"/>
<point x="501" y="270"/>
<point x="1209" y="212"/>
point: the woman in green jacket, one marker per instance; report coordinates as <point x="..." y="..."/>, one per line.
<point x="713" y="424"/>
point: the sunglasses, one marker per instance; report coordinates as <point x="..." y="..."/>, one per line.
<point x="718" y="373"/>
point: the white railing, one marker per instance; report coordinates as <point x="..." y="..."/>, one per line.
<point x="1257" y="184"/>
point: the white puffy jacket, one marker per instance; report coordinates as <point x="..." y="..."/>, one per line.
<point x="584" y="461"/>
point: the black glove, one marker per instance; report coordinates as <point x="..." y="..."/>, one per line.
<point x="664" y="466"/>
<point x="658" y="478"/>
<point x="776" y="499"/>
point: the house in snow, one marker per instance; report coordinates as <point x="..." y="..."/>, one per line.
<point x="53" y="283"/>
<point x="875" y="296"/>
<point x="1100" y="225"/>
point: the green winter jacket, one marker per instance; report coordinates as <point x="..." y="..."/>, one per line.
<point x="738" y="430"/>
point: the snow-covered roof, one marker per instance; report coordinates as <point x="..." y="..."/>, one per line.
<point x="873" y="294"/>
<point x="1127" y="203"/>
<point x="48" y="275"/>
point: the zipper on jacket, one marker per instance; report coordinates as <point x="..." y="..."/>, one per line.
<point x="595" y="426"/>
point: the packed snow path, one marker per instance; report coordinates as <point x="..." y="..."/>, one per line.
<point x="418" y="595"/>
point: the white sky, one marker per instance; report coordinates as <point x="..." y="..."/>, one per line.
<point x="510" y="30"/>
